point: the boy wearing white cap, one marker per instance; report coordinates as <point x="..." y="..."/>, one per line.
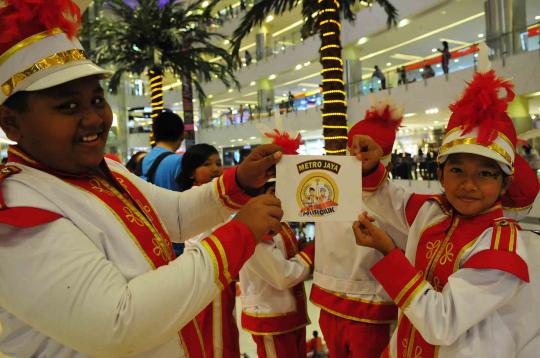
<point x="464" y="260"/>
<point x="86" y="263"/>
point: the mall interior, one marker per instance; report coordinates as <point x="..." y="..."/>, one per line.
<point x="280" y="81"/>
<point x="279" y="76"/>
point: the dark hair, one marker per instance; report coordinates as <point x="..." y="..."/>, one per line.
<point x="168" y="127"/>
<point x="133" y="164"/>
<point x="315" y="333"/>
<point x="194" y="157"/>
<point x="17" y="102"/>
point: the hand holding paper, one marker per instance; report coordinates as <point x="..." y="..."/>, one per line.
<point x="369" y="235"/>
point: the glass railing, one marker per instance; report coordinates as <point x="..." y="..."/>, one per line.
<point x="421" y="71"/>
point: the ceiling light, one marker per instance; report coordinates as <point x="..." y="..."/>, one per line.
<point x="434" y="110"/>
<point x="204" y="4"/>
<point x="433" y="50"/>
<point x="226" y="42"/>
<point x="240" y="139"/>
<point x="438" y="65"/>
<point x="230" y="90"/>
<point x="436" y="122"/>
<point x="272" y="77"/>
<point x="480" y="35"/>
<point x="210" y="96"/>
<point x="298" y="67"/>
<point x="362" y="41"/>
<point x="407" y="115"/>
<point x="403" y="22"/>
<point x="456" y="60"/>
<point x="537" y="17"/>
<point x="421" y="70"/>
<point x="302" y="131"/>
<point x="233" y="140"/>
<point x="252" y="83"/>
<point x="252" y="138"/>
<point x="307" y="63"/>
<point x="269" y="18"/>
<point x="388" y="64"/>
<point x="304" y="90"/>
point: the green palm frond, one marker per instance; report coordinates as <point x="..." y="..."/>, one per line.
<point x="173" y="36"/>
<point x="256" y="15"/>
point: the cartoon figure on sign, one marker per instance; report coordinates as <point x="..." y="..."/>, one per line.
<point x="317" y="195"/>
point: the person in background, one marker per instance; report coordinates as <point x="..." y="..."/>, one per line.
<point x="428" y="72"/>
<point x="274" y="307"/>
<point x="200" y="165"/>
<point x="378" y="74"/>
<point x="86" y="264"/>
<point x="445" y="58"/>
<point x="248" y="57"/>
<point x="402" y="75"/>
<point x="314" y="347"/>
<point x="135" y="162"/>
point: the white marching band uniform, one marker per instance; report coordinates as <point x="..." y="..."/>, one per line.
<point x="455" y="283"/>
<point x="83" y="263"/>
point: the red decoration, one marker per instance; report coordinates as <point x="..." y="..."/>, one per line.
<point x="20" y="19"/>
<point x="284" y="140"/>
<point x="481" y="106"/>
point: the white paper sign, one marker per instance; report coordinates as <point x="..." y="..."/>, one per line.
<point x="319" y="188"/>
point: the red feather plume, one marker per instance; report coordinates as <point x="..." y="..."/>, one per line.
<point x="481" y="106"/>
<point x="384" y="118"/>
<point x="20" y="19"/>
<point x="284" y="140"/>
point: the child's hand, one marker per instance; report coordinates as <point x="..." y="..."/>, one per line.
<point x="365" y="149"/>
<point x="370" y="235"/>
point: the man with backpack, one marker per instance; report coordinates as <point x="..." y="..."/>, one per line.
<point x="161" y="165"/>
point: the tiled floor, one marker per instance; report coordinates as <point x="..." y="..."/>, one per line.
<point x="248" y="346"/>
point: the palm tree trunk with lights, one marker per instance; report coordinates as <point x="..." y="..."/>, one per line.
<point x="156" y="95"/>
<point x="334" y="97"/>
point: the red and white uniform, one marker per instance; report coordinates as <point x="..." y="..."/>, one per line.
<point x="456" y="280"/>
<point x="97" y="253"/>
<point x="273" y="296"/>
<point x="217" y="321"/>
<point x="356" y="312"/>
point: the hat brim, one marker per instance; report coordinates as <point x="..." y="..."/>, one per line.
<point x="478" y="150"/>
<point x="68" y="73"/>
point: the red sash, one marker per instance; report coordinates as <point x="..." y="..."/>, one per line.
<point x="125" y="201"/>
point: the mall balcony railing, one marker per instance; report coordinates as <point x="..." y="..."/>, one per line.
<point x="462" y="58"/>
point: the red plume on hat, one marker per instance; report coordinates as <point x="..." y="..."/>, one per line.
<point x="381" y="123"/>
<point x="20" y="19"/>
<point x="285" y="141"/>
<point x="482" y="107"/>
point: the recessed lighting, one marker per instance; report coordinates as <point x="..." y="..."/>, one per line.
<point x="204" y="4"/>
<point x="252" y="138"/>
<point x="434" y="110"/>
<point x="480" y="36"/>
<point x="269" y="18"/>
<point x="272" y="77"/>
<point x="438" y="65"/>
<point x="302" y="131"/>
<point x="304" y="90"/>
<point x="407" y="115"/>
<point x="434" y="50"/>
<point x="233" y="140"/>
<point x="403" y="22"/>
<point x="456" y="60"/>
<point x="298" y="67"/>
<point x="307" y="63"/>
<point x="362" y="40"/>
<point x="252" y="83"/>
<point x="210" y="96"/>
<point x="226" y="42"/>
<point x="389" y="64"/>
<point x="537" y="17"/>
<point x="436" y="122"/>
<point x="475" y="55"/>
<point x="421" y="70"/>
<point x="240" y="140"/>
<point x="230" y="90"/>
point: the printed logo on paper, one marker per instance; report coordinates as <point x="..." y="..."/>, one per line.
<point x="317" y="195"/>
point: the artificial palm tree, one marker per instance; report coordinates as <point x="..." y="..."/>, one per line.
<point x="156" y="36"/>
<point x="322" y="17"/>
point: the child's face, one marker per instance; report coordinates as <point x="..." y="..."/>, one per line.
<point x="64" y="127"/>
<point x="472" y="183"/>
<point x="209" y="170"/>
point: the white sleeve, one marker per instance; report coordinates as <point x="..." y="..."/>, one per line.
<point x="469" y="297"/>
<point x="56" y="280"/>
<point x="189" y="213"/>
<point x="269" y="263"/>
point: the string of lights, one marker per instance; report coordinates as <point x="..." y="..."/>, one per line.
<point x="156" y="96"/>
